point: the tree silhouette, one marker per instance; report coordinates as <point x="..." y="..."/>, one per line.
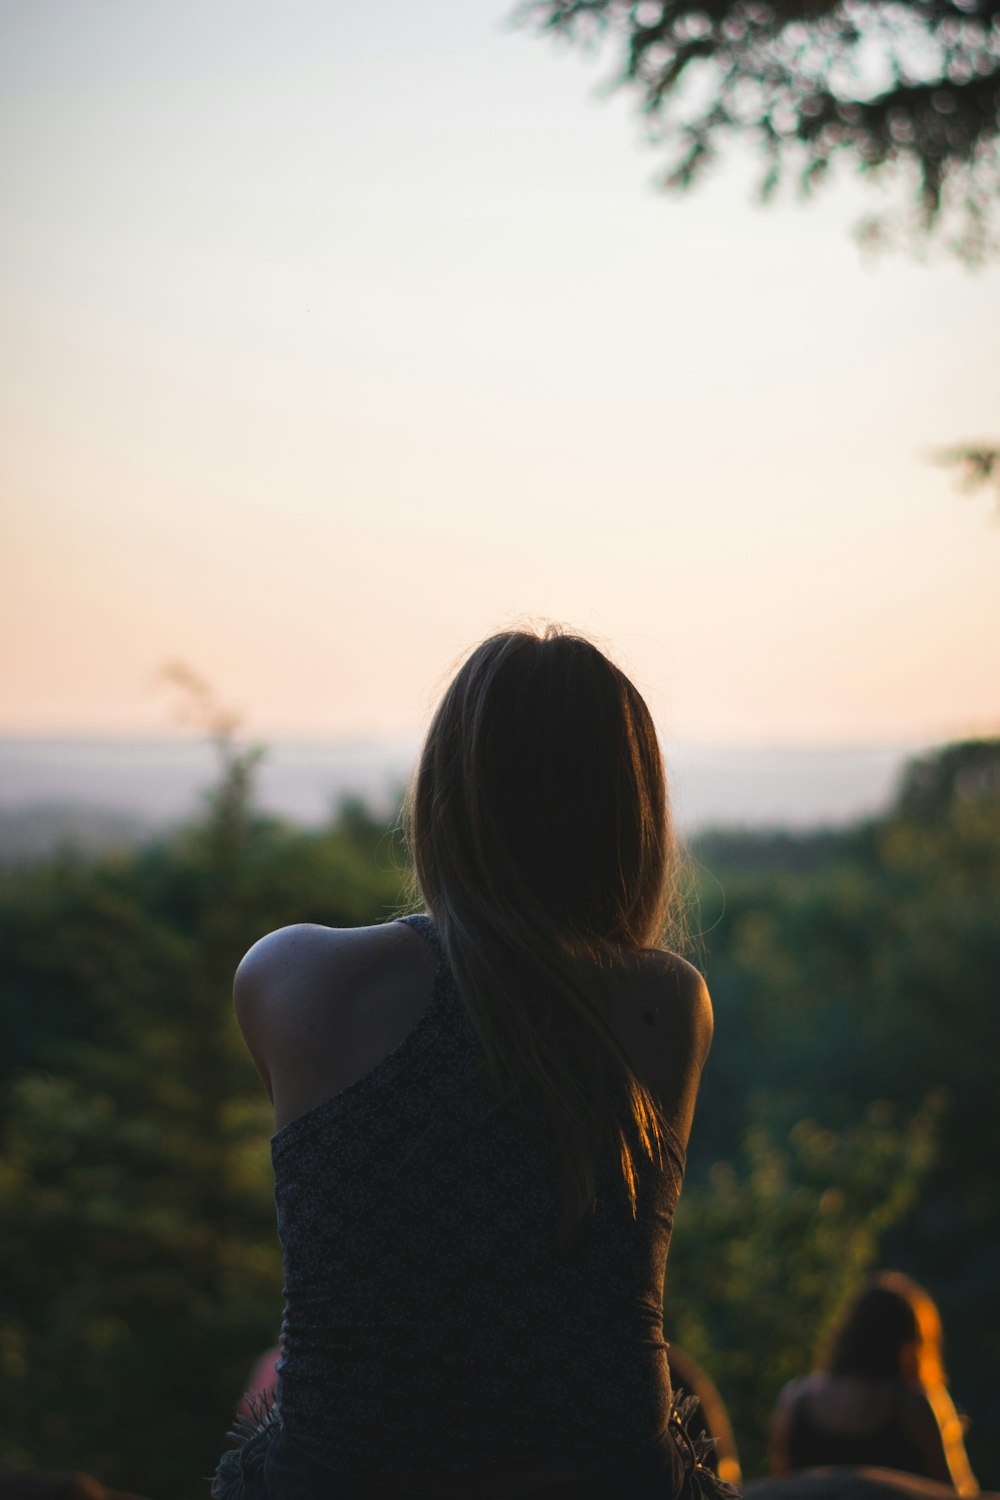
<point x="910" y="87"/>
<point x="978" y="465"/>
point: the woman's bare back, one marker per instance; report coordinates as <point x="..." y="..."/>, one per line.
<point x="320" y="1007"/>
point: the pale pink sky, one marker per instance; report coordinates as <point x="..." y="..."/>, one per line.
<point x="334" y="338"/>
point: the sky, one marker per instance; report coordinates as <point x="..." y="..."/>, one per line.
<point x="334" y="338"/>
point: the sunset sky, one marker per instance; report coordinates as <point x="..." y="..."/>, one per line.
<point x="335" y="337"/>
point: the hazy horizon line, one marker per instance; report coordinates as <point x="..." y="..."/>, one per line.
<point x="910" y="743"/>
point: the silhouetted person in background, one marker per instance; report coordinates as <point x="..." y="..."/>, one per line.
<point x="482" y="1114"/>
<point x="880" y="1398"/>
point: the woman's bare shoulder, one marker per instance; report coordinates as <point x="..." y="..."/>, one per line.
<point x="290" y="957"/>
<point x="662" y="1016"/>
<point x="802" y="1387"/>
<point x="318" y="1006"/>
<point x="683" y="996"/>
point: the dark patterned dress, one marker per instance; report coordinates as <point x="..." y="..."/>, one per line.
<point x="431" y="1322"/>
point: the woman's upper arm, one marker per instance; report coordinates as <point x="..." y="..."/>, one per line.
<point x="685" y="1042"/>
<point x="665" y="1030"/>
<point x="262" y="973"/>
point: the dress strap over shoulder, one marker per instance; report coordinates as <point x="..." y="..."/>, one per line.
<point x="426" y="926"/>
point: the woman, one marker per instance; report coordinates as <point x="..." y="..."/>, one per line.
<point x="482" y="1115"/>
<point x="880" y="1399"/>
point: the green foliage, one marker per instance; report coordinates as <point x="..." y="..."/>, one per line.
<point x="767" y="1249"/>
<point x="876" y="977"/>
<point x="139" y="1271"/>
<point x="894" y="85"/>
<point x="978" y="464"/>
<point x="848" y="1116"/>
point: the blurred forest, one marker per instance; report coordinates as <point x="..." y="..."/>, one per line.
<point x="849" y="1115"/>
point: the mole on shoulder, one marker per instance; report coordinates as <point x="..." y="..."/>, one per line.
<point x="651" y="1016"/>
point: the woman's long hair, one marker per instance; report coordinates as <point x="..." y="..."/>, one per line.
<point x="542" y="845"/>
<point x="890" y="1330"/>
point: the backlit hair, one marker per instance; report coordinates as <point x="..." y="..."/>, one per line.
<point x="542" y="845"/>
<point x="890" y="1330"/>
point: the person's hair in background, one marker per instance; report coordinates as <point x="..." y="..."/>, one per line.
<point x="893" y="1325"/>
<point x="878" y="1397"/>
<point x="540" y="831"/>
<point x="889" y="1330"/>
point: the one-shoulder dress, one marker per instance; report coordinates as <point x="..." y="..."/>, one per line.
<point x="434" y="1321"/>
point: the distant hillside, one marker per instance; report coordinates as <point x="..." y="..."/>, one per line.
<point x="164" y="781"/>
<point x="763" y="851"/>
<point x="43" y="828"/>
